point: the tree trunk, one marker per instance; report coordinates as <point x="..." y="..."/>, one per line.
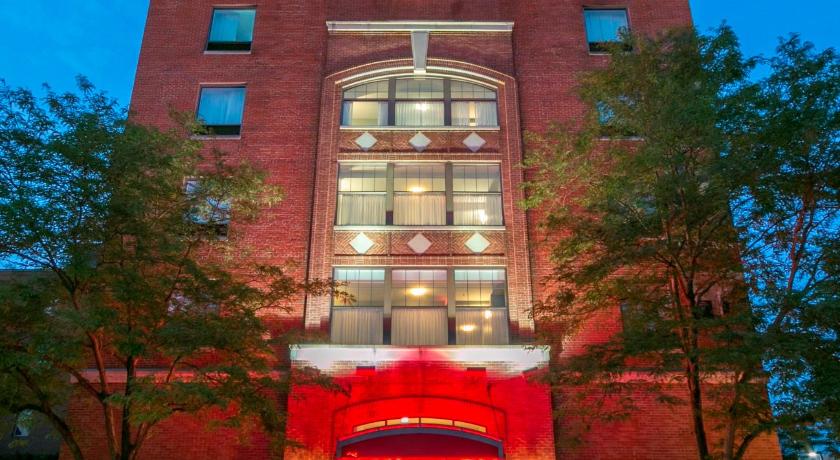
<point x="126" y="447"/>
<point x="694" y="388"/>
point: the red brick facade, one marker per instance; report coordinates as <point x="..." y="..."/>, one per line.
<point x="295" y="75"/>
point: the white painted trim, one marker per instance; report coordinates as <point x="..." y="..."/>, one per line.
<point x="431" y="71"/>
<point x="434" y="228"/>
<point x="419" y="50"/>
<point x="466" y="129"/>
<point x="409" y="26"/>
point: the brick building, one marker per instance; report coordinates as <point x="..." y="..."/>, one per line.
<point x="395" y="128"/>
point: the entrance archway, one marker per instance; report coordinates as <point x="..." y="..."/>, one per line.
<point x="420" y="443"/>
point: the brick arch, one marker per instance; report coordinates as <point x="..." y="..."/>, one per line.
<point x="506" y="148"/>
<point x="434" y="442"/>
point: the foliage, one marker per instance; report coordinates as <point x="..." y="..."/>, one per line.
<point x="126" y="270"/>
<point x="673" y="229"/>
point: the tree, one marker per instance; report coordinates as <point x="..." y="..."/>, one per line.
<point x="120" y="229"/>
<point x="672" y="229"/>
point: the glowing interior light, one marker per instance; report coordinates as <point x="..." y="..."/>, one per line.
<point x="417" y="291"/>
<point x="468" y="327"/>
<point x="422" y="106"/>
<point x="488" y="314"/>
<point x="404" y="420"/>
<point x="482" y="216"/>
<point x="416" y="189"/>
<point x="813" y="454"/>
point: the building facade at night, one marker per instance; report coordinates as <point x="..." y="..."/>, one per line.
<point x="395" y="128"/>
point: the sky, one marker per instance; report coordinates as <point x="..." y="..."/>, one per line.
<point x="55" y="40"/>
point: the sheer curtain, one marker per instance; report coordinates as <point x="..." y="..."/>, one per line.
<point x="478" y="326"/>
<point x="605" y="25"/>
<point x="221" y="106"/>
<point x="419" y="209"/>
<point x="232" y="25"/>
<point x="364" y="113"/>
<point x="469" y="113"/>
<point x="360" y="209"/>
<point x="357" y="325"/>
<point x="414" y="113"/>
<point x="419" y="326"/>
<point x="477" y="209"/>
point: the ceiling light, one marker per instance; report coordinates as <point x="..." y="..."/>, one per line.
<point x="418" y="291"/>
<point x="488" y="314"/>
<point x="468" y="327"/>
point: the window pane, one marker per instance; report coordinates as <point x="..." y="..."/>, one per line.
<point x="357" y="326"/>
<point x="364" y="113"/>
<point x="375" y="90"/>
<point x="419" y="113"/>
<point x="221" y="106"/>
<point x="231" y="26"/>
<point x="419" y="326"/>
<point x="478" y="209"/>
<point x="366" y="286"/>
<point x="360" y="209"/>
<point x="476" y="326"/>
<point x="419" y="209"/>
<point x="476" y="178"/>
<point x="361" y="177"/>
<point x="604" y="26"/>
<point x="464" y="90"/>
<point x="419" y="88"/>
<point x="420" y="177"/>
<point x="480" y="288"/>
<point x="474" y="114"/>
<point x="418" y="288"/>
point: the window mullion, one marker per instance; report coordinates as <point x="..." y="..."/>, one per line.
<point x="392" y="102"/>
<point x="450" y="200"/>
<point x="447" y="102"/>
<point x="389" y="194"/>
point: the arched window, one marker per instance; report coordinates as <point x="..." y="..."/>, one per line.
<point x="420" y="102"/>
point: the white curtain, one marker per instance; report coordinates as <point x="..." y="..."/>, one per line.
<point x="419" y="326"/>
<point x="479" y="326"/>
<point x="478" y="209"/>
<point x="360" y="209"/>
<point x="365" y="113"/>
<point x="221" y="106"/>
<point x="420" y="209"/>
<point x="419" y="113"/>
<point x="469" y="113"/>
<point x="357" y="325"/>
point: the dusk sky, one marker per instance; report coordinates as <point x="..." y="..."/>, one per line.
<point x="55" y="40"/>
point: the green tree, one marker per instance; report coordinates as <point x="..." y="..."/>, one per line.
<point x="120" y="229"/>
<point x="672" y="229"/>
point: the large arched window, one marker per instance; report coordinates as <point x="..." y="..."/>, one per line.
<point x="420" y="102"/>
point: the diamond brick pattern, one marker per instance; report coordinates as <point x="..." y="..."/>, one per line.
<point x="474" y="142"/>
<point x="477" y="243"/>
<point x="420" y="142"/>
<point x="366" y="141"/>
<point x="419" y="244"/>
<point x="361" y="243"/>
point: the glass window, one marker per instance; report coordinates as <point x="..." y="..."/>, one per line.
<point x="420" y="194"/>
<point x="362" y="194"/>
<point x="209" y="212"/>
<point x="220" y="109"/>
<point x="420" y="102"/>
<point x="477" y="197"/>
<point x="480" y="288"/>
<point x="361" y="287"/>
<point x="604" y="26"/>
<point x="418" y="288"/>
<point x="231" y="29"/>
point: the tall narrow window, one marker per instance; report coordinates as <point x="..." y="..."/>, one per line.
<point x="361" y="194"/>
<point x="604" y="26"/>
<point x="220" y="109"/>
<point x="473" y="105"/>
<point x="366" y="105"/>
<point x="231" y="29"/>
<point x="419" y="194"/>
<point x="419" y="102"/>
<point x="419" y="301"/>
<point x="357" y="314"/>
<point x="477" y="195"/>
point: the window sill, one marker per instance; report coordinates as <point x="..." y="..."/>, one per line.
<point x="386" y="228"/>
<point x="419" y="128"/>
<point x="622" y="138"/>
<point x="227" y="52"/>
<point x="209" y="137"/>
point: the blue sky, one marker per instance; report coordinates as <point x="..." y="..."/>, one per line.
<point x="54" y="40"/>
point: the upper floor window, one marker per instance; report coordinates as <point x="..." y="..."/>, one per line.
<point x="359" y="287"/>
<point x="220" y="109"/>
<point x="420" y="102"/>
<point x="484" y="288"/>
<point x="604" y="26"/>
<point x="208" y="212"/>
<point x="419" y="194"/>
<point x="231" y="29"/>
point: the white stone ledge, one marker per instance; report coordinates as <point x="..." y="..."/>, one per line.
<point x="410" y="26"/>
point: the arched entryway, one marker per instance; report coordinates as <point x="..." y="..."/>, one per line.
<point x="420" y="443"/>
